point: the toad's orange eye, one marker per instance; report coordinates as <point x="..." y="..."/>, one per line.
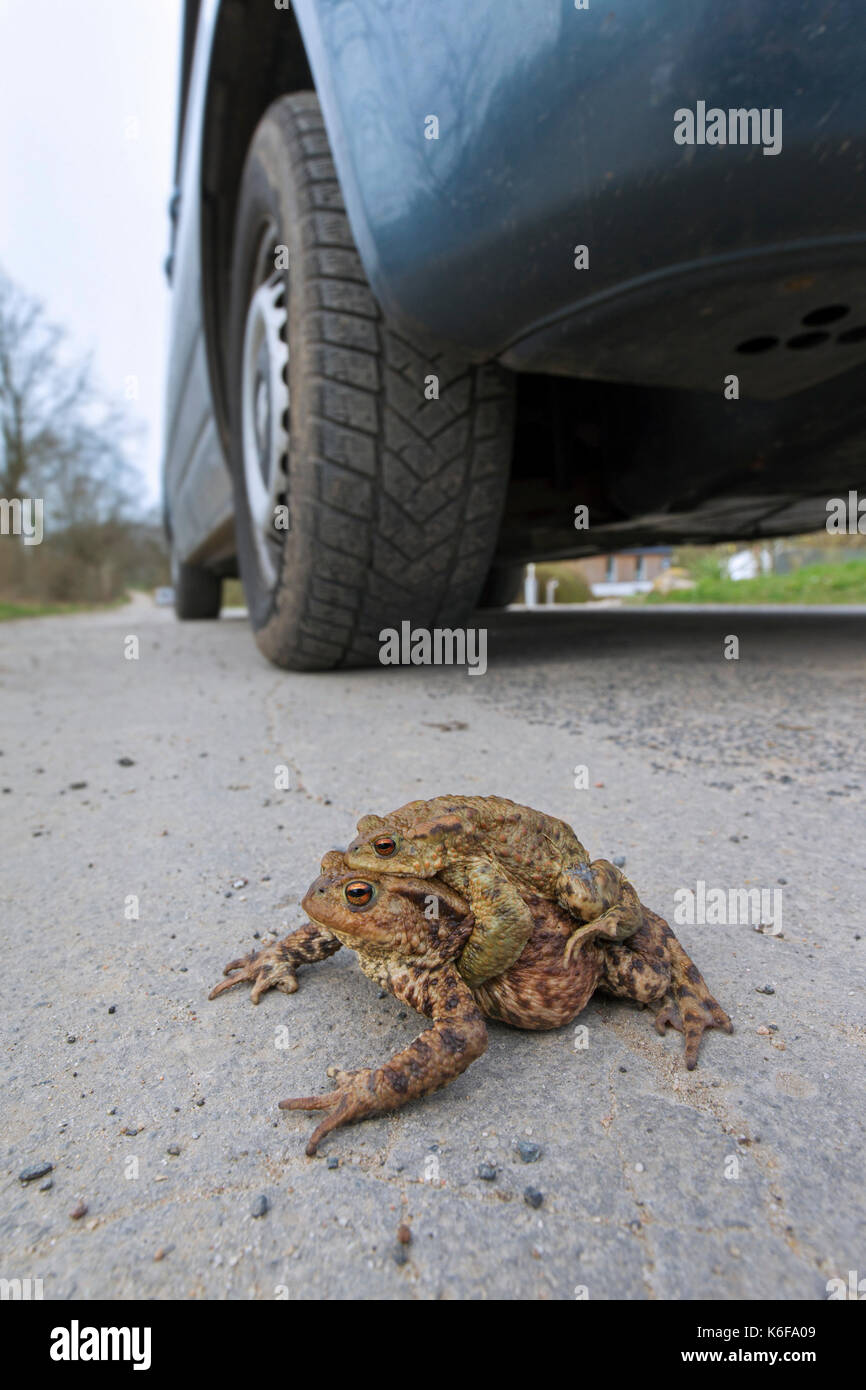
<point x="384" y="845"/>
<point x="358" y="894"/>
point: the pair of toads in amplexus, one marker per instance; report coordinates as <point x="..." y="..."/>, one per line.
<point x="474" y="907"/>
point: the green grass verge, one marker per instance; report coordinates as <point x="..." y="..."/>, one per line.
<point x="34" y="608"/>
<point x="835" y="583"/>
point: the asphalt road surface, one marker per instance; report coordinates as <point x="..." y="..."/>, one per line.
<point x="150" y="782"/>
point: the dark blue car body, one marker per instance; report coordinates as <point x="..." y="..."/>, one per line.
<point x="556" y="131"/>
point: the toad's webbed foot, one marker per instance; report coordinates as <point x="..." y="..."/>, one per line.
<point x="274" y="967"/>
<point x="353" y="1098"/>
<point x="692" y="1010"/>
<point x="692" y="1018"/>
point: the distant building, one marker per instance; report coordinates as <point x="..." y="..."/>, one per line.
<point x="626" y="572"/>
<point x="746" y="564"/>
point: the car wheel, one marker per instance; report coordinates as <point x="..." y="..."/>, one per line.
<point x="503" y="585"/>
<point x="359" y="503"/>
<point x="197" y="592"/>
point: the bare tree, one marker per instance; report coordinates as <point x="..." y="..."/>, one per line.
<point x="63" y="441"/>
<point x="58" y="436"/>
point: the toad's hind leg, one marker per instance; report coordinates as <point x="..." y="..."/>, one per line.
<point x="503" y="922"/>
<point x="604" y="900"/>
<point x="692" y="1010"/>
<point x="442" y="1052"/>
<point x="631" y="970"/>
<point x="653" y="966"/>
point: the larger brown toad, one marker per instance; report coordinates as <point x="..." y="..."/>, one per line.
<point x="491" y="850"/>
<point x="409" y="935"/>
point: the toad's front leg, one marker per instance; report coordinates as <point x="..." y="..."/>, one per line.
<point x="274" y="967"/>
<point x="503" y="922"/>
<point x="604" y="899"/>
<point x="457" y="1037"/>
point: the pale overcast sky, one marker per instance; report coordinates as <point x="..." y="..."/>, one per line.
<point x="87" y="108"/>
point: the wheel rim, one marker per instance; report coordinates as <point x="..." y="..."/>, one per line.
<point x="265" y="404"/>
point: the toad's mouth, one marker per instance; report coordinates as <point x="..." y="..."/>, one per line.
<point x="342" y="932"/>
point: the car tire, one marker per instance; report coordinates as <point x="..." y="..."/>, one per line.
<point x="502" y="586"/>
<point x="374" y="504"/>
<point x="197" y="592"/>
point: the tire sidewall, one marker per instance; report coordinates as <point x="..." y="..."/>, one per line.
<point x="267" y="195"/>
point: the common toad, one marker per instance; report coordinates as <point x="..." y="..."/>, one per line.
<point x="409" y="933"/>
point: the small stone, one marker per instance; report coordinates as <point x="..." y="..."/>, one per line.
<point x="261" y="1206"/>
<point x="174" y="1150"/>
<point x="240" y="882"/>
<point x="78" y="1211"/>
<point x="486" y="1172"/>
<point x="638" y="1168"/>
<point x="77" y="786"/>
<point x="781" y="880"/>
<point x="71" y="1038"/>
<point x="764" y="989"/>
<point x="619" y="861"/>
<point x="47" y="1185"/>
<point x="763" y="1030"/>
<point x="125" y="762"/>
<point x="333" y="1163"/>
<point x="112" y="1008"/>
<point x="532" y="1197"/>
<point x="529" y="1152"/>
<point x="37" y="1170"/>
<point x="161" y="1253"/>
<point x="623" y="1069"/>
